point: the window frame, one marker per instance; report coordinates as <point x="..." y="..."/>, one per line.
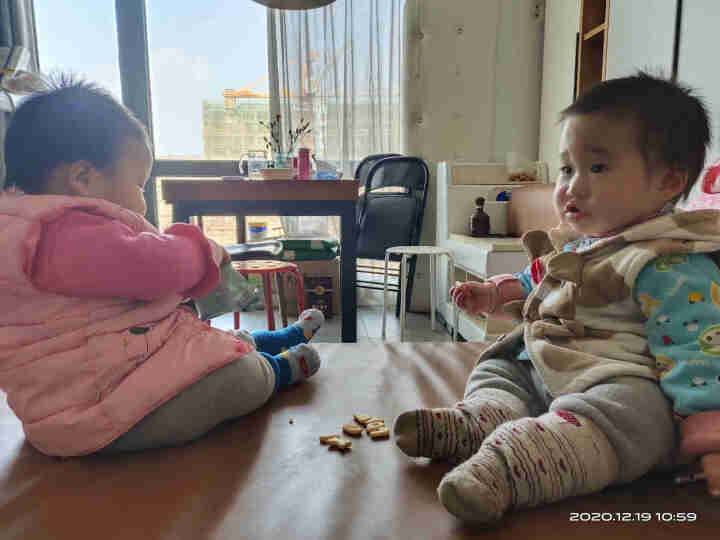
<point x="134" y="65"/>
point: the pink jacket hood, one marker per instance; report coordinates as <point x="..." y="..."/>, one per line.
<point x="80" y="372"/>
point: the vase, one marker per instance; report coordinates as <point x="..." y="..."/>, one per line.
<point x="283" y="160"/>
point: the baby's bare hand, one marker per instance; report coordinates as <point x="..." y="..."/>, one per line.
<point x="711" y="467"/>
<point x="474" y="297"/>
<point x="225" y="256"/>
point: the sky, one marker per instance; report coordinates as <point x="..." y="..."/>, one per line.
<point x="196" y="50"/>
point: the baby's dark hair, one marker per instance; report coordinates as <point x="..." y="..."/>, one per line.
<point x="71" y="120"/>
<point x="672" y="122"/>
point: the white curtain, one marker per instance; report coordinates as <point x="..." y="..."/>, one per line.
<point x="17" y="28"/>
<point x="340" y="68"/>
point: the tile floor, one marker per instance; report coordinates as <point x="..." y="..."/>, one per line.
<point x="369" y="328"/>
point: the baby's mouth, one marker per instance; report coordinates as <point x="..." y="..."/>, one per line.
<point x="573" y="212"/>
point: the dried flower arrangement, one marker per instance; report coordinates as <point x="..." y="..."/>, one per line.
<point x="274" y="144"/>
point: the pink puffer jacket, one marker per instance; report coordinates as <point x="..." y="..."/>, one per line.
<point x="80" y="372"/>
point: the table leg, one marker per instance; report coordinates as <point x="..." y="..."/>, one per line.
<point x="403" y="294"/>
<point x="385" y="295"/>
<point x="267" y="286"/>
<point x="240" y="228"/>
<point x="455" y="310"/>
<point x="348" y="270"/>
<point x="433" y="292"/>
<point x="180" y="214"/>
<point x="300" y="291"/>
<point x="280" y="286"/>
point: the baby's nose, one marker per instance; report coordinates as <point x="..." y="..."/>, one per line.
<point x="579" y="186"/>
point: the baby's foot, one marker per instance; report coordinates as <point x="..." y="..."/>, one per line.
<point x="274" y="342"/>
<point x="304" y="361"/>
<point x="310" y="322"/>
<point x="449" y="433"/>
<point x="478" y="490"/>
<point x="294" y="365"/>
<point x="456" y="433"/>
<point x="528" y="462"/>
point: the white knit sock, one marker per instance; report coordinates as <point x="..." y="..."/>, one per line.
<point x="455" y="433"/>
<point x="529" y="462"/>
<point x="310" y="321"/>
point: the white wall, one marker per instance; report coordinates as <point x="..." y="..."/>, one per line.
<point x="697" y="62"/>
<point x="641" y="36"/>
<point x="518" y="72"/>
<point x="697" y="59"/>
<point x="558" y="72"/>
<point x="472" y="88"/>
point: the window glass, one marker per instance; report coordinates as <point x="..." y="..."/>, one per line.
<point x="81" y="38"/>
<point x="208" y="72"/>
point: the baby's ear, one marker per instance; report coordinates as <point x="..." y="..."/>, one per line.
<point x="70" y="179"/>
<point x="673" y="182"/>
<point x="76" y="176"/>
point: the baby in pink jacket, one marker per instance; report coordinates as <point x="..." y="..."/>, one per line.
<point x="98" y="353"/>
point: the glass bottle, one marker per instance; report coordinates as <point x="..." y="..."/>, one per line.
<point x="479" y="221"/>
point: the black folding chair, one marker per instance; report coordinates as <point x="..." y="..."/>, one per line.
<point x="390" y="211"/>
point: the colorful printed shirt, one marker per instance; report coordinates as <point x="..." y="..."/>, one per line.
<point x="680" y="296"/>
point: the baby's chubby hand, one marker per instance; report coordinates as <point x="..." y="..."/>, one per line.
<point x="475" y="297"/>
<point x="700" y="437"/>
<point x="220" y="254"/>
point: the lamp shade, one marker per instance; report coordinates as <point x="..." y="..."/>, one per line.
<point x="294" y="4"/>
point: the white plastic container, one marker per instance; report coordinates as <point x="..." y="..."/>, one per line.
<point x="257" y="231"/>
<point x="498" y="213"/>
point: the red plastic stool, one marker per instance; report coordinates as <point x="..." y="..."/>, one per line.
<point x="268" y="270"/>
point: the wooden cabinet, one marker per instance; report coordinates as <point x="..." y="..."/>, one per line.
<point x="592" y="41"/>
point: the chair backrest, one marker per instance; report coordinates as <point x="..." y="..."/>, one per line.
<point x="392" y="207"/>
<point x="366" y="164"/>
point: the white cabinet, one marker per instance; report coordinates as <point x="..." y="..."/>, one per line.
<point x="458" y="185"/>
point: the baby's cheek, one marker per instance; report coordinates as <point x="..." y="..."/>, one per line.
<point x="140" y="203"/>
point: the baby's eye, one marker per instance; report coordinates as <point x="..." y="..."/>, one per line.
<point x="566" y="170"/>
<point x="598" y="168"/>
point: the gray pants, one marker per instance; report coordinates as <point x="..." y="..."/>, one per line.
<point x="633" y="412"/>
<point x="229" y="392"/>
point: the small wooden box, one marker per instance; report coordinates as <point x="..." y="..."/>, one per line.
<point x="312" y="269"/>
<point x="319" y="294"/>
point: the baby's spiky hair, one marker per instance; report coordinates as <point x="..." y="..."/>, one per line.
<point x="71" y="120"/>
<point x="672" y="122"/>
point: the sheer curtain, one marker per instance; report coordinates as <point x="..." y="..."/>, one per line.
<point x="17" y="28"/>
<point x="340" y="68"/>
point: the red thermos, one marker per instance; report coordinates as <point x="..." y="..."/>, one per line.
<point x="303" y="164"/>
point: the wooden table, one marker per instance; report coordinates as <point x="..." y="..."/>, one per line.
<point x="231" y="196"/>
<point x="266" y="476"/>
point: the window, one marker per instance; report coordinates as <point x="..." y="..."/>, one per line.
<point x="93" y="50"/>
<point x="211" y="71"/>
<point x="208" y="88"/>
